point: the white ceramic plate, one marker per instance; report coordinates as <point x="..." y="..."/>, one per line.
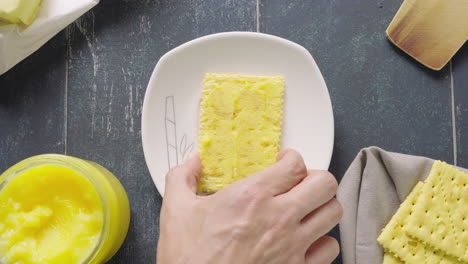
<point x="170" y="109"/>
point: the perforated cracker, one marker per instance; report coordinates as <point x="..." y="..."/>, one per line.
<point x="395" y="240"/>
<point x="240" y="127"/>
<point x="390" y="259"/>
<point x="440" y="215"/>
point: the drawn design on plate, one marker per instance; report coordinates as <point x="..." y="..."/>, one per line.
<point x="175" y="150"/>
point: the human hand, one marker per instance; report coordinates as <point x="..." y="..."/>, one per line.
<point x="278" y="215"/>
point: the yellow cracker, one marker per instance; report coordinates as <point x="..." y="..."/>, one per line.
<point x="395" y="240"/>
<point x="440" y="216"/>
<point x="390" y="259"/>
<point x="240" y="127"/>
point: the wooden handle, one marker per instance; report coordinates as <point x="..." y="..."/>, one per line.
<point x="431" y="31"/>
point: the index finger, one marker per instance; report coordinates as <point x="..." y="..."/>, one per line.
<point x="286" y="173"/>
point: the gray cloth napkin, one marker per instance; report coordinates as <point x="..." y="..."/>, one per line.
<point x="371" y="191"/>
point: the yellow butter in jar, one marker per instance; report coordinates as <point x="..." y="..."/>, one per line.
<point x="60" y="209"/>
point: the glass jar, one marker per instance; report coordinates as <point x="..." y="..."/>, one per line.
<point x="113" y="198"/>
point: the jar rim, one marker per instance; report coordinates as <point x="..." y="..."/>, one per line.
<point x="80" y="166"/>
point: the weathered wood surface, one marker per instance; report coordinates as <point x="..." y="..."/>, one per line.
<point x="82" y="93"/>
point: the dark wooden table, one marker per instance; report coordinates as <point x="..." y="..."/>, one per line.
<point x="82" y="93"/>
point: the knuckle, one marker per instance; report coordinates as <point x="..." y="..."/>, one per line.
<point x="287" y="217"/>
<point x="242" y="230"/>
<point x="336" y="209"/>
<point x="283" y="221"/>
<point x="251" y="194"/>
<point x="329" y="182"/>
<point x="296" y="163"/>
<point x="292" y="213"/>
<point x="300" y="169"/>
<point x="269" y="238"/>
<point x="296" y="207"/>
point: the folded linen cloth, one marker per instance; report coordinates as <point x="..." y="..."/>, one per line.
<point x="371" y="191"/>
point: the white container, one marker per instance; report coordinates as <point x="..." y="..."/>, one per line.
<point x="170" y="109"/>
<point x="18" y="41"/>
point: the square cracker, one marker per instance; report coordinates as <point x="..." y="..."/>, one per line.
<point x="240" y="127"/>
<point x="390" y="259"/>
<point x="440" y="215"/>
<point x="395" y="240"/>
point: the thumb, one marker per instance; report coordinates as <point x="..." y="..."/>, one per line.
<point x="184" y="178"/>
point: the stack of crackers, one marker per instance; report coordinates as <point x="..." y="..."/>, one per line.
<point x="431" y="225"/>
